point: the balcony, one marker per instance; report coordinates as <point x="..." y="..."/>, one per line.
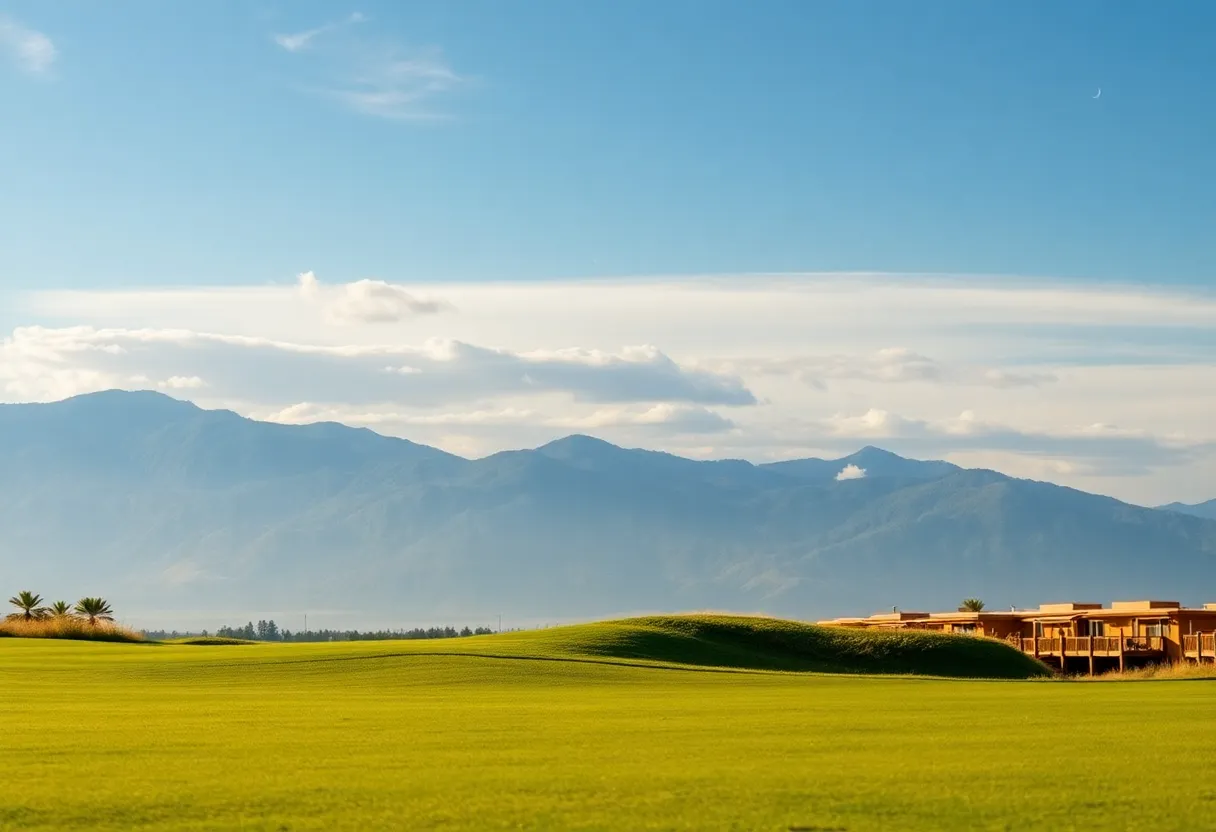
<point x="1095" y="646"/>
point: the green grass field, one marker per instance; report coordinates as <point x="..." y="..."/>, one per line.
<point x="580" y="728"/>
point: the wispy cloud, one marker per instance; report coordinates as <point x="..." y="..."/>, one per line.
<point x="31" y="50"/>
<point x="401" y="87"/>
<point x="375" y="77"/>
<point x="299" y="41"/>
<point x="892" y="365"/>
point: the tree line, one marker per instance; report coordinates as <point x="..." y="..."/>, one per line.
<point x="270" y="631"/>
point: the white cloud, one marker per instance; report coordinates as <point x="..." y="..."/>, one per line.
<point x="182" y="383"/>
<point x="872" y="424"/>
<point x="670" y="418"/>
<point x="310" y="285"/>
<point x="30" y="50"/>
<point x="366" y="301"/>
<point x="851" y="472"/>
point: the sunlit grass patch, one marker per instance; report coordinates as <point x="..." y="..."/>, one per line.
<point x="557" y="729"/>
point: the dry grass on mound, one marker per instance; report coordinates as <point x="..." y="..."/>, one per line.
<point x="65" y="627"/>
<point x="1157" y="671"/>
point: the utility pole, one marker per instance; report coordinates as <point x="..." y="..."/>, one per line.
<point x="500" y="622"/>
<point x="305" y="624"/>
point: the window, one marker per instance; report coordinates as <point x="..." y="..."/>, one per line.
<point x="1155" y="629"/>
<point x="964" y="628"/>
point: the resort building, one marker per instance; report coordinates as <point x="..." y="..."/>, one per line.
<point x="1076" y="636"/>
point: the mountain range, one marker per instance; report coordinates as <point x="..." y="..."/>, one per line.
<point x="172" y="511"/>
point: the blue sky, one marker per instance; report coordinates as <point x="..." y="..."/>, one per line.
<point x="812" y="225"/>
<point x="179" y="144"/>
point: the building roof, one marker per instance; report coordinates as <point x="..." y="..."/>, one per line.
<point x="969" y="615"/>
<point x="1069" y="606"/>
<point x="1145" y="606"/>
<point x="1046" y="613"/>
<point x="897" y="616"/>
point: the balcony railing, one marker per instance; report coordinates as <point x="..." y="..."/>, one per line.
<point x="1100" y="645"/>
<point x="1204" y="643"/>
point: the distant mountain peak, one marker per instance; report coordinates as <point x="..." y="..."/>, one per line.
<point x="130" y="398"/>
<point x="872" y="460"/>
<point x="580" y="441"/>
<point x="871" y="452"/>
<point x="579" y="446"/>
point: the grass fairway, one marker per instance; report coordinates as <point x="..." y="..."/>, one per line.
<point x="533" y="731"/>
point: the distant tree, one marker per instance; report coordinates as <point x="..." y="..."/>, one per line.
<point x="94" y="610"/>
<point x="60" y="609"/>
<point x="971" y="605"/>
<point x="30" y="606"/>
<point x="268" y="631"/>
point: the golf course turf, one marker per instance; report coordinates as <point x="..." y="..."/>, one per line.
<point x="615" y="726"/>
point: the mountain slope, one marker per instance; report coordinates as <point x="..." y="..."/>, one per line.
<point x="1207" y="510"/>
<point x="169" y="509"/>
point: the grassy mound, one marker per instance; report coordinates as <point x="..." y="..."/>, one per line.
<point x="67" y="627"/>
<point x="773" y="644"/>
<point x="209" y="641"/>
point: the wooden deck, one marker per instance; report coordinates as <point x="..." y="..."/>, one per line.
<point x="1091" y="647"/>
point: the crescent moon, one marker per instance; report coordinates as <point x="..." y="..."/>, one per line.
<point x="1099" y="95"/>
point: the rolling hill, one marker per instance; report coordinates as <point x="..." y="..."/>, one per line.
<point x="166" y="508"/>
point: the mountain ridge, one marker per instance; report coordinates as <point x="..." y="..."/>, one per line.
<point x="1206" y="509"/>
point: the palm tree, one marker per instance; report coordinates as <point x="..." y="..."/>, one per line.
<point x="94" y="610"/>
<point x="60" y="609"/>
<point x="971" y="605"/>
<point x="30" y="606"/>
